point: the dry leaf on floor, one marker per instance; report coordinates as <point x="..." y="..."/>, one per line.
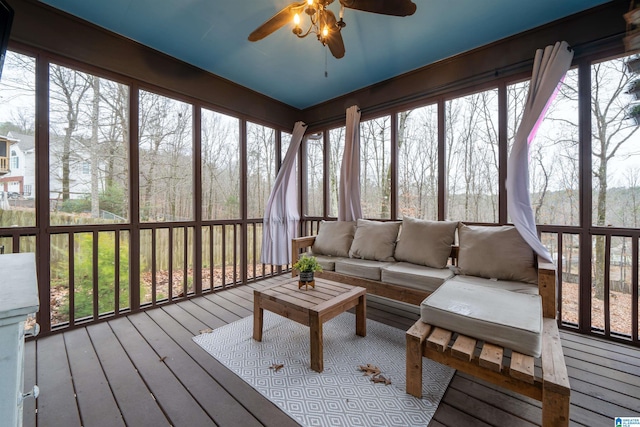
<point x="369" y="369"/>
<point x="276" y="366"/>
<point x="205" y="331"/>
<point x="381" y="379"/>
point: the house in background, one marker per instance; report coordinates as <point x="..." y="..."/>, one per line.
<point x="21" y="179"/>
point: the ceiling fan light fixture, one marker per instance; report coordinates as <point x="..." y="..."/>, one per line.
<point x="323" y="22"/>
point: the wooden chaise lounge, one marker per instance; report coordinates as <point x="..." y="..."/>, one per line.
<point x="546" y="381"/>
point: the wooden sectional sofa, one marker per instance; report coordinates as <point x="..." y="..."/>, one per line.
<point x="487" y="308"/>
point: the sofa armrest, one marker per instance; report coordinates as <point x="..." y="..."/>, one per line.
<point x="547" y="284"/>
<point x="297" y="245"/>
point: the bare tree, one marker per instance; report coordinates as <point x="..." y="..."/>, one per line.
<point x="220" y="166"/>
<point x="336" y="150"/>
<point x="68" y="88"/>
<point x="418" y="162"/>
<point x="261" y="167"/>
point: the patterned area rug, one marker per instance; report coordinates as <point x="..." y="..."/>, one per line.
<point x="341" y="395"/>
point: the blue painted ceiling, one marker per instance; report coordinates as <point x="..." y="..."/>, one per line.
<point x="212" y="35"/>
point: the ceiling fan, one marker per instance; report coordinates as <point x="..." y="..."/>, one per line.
<point x="323" y="22"/>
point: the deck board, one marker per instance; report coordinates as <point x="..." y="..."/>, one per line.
<point x="263" y="410"/>
<point x="57" y="404"/>
<point x="217" y="403"/>
<point x="189" y="387"/>
<point x="90" y="383"/>
<point x="29" y="405"/>
<point x="176" y="401"/>
<point x="135" y="401"/>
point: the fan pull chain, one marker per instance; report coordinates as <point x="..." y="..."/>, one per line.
<point x="326" y="72"/>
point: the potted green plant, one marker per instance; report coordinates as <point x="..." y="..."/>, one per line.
<point x="307" y="265"/>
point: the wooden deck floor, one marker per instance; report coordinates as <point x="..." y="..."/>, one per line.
<point x="144" y="370"/>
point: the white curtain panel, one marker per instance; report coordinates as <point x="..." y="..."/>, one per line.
<point x="349" y="208"/>
<point x="549" y="67"/>
<point x="281" y="216"/>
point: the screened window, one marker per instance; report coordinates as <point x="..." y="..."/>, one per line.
<point x="166" y="159"/>
<point x="220" y="166"/>
<point x="375" y="167"/>
<point x="261" y="167"/>
<point x="17" y="121"/>
<point x="472" y="157"/>
<point x="315" y="175"/>
<point x="336" y="151"/>
<point x="88" y="147"/>
<point x="553" y="153"/>
<point x="418" y="162"/>
<point x="615" y="144"/>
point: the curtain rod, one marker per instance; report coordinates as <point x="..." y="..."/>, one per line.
<point x="592" y="47"/>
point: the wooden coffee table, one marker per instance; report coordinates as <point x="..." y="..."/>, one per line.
<point x="312" y="308"/>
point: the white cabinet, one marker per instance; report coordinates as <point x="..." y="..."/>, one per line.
<point x="18" y="299"/>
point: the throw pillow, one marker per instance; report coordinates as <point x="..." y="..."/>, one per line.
<point x="375" y="240"/>
<point x="495" y="252"/>
<point x="425" y="242"/>
<point x="334" y="238"/>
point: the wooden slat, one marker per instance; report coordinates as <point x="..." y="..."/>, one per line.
<point x="262" y="409"/>
<point x="289" y="312"/>
<point x="239" y="311"/>
<point x="464" y="348"/>
<point x="137" y="405"/>
<point x="491" y="357"/>
<point x="235" y="299"/>
<point x="175" y="400"/>
<point x="415" y="338"/>
<point x="224" y="409"/>
<point x="554" y="368"/>
<point x="29" y="405"/>
<point x="547" y="289"/>
<point x="473" y="368"/>
<point x="57" y="400"/>
<point x="485" y="411"/>
<point x="220" y="312"/>
<point x="522" y="367"/>
<point x="387" y="290"/>
<point x="555" y="385"/>
<point x="90" y="382"/>
<point x="350" y="295"/>
<point x="439" y="339"/>
<point x="189" y="312"/>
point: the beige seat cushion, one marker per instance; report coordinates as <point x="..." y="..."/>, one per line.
<point x="495" y="252"/>
<point x="509" y="319"/>
<point x="375" y="240"/>
<point x="334" y="238"/>
<point x="328" y="263"/>
<point x="364" y="268"/>
<point x="415" y="276"/>
<point x="425" y="242"/>
<point x="509" y="285"/>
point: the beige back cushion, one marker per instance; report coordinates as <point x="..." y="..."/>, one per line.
<point x="334" y="238"/>
<point x="375" y="240"/>
<point x="425" y="242"/>
<point x="495" y="252"/>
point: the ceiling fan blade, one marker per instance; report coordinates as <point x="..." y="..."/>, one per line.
<point x="334" y="39"/>
<point x="277" y="21"/>
<point x="384" y="7"/>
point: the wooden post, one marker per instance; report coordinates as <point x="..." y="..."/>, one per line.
<point x="416" y="336"/>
